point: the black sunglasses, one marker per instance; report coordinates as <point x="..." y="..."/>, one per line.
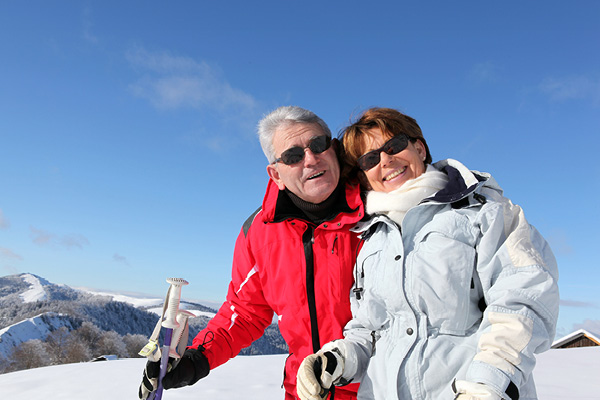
<point x="295" y="154"/>
<point x="393" y="146"/>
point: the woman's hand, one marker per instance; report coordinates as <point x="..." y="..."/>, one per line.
<point x="318" y="372"/>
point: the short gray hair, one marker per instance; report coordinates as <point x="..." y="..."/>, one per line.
<point x="284" y="116"/>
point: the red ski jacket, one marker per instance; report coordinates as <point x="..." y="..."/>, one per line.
<point x="300" y="271"/>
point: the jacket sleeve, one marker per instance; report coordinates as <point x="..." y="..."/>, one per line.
<point x="244" y="315"/>
<point x="519" y="277"/>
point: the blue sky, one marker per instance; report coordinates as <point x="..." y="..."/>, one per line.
<point x="127" y="129"/>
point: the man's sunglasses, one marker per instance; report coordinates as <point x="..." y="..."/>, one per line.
<point x="295" y="154"/>
<point x="393" y="146"/>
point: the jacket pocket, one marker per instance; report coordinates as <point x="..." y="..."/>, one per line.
<point x="440" y="273"/>
<point x="369" y="306"/>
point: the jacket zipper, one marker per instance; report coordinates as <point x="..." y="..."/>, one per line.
<point x="307" y="241"/>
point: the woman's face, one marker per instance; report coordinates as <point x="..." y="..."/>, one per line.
<point x="393" y="170"/>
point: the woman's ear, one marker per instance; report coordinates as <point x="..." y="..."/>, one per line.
<point x="421" y="149"/>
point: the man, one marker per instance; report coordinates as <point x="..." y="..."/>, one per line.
<point x="294" y="257"/>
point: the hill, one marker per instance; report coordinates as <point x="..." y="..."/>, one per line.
<point x="31" y="308"/>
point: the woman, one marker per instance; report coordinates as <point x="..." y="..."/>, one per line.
<point x="454" y="291"/>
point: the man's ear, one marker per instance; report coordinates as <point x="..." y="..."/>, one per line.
<point x="274" y="175"/>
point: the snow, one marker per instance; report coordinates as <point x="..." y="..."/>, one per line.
<point x="36" y="291"/>
<point x="560" y="374"/>
<point x="141" y="301"/>
<point x="563" y="374"/>
<point x="136" y="301"/>
<point x="29" y="329"/>
<point x="247" y="377"/>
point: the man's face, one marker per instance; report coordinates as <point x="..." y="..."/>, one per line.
<point x="315" y="177"/>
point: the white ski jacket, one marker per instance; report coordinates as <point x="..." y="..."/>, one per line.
<point x="465" y="289"/>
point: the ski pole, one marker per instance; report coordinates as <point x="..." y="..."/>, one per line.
<point x="169" y="323"/>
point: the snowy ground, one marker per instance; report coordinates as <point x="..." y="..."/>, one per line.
<point x="560" y="375"/>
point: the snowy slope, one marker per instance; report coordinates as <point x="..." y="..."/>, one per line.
<point x="36" y="290"/>
<point x="32" y="328"/>
<point x="244" y="377"/>
<point x="152" y="304"/>
<point x="561" y="374"/>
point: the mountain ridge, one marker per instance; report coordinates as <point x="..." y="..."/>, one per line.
<point x="32" y="307"/>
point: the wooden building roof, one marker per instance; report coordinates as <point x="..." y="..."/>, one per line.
<point x="580" y="338"/>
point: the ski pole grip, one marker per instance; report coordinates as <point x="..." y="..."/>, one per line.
<point x="170" y="321"/>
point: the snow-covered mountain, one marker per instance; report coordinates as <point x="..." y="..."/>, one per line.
<point x="154" y="304"/>
<point x="31" y="307"/>
<point x="37" y="327"/>
<point x="560" y="374"/>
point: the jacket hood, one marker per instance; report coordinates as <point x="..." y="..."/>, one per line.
<point x="462" y="181"/>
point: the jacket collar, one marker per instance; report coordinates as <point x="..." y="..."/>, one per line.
<point x="461" y="183"/>
<point x="277" y="206"/>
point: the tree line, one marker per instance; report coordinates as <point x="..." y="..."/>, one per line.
<point x="62" y="346"/>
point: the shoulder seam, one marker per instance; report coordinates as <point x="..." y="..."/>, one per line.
<point x="249" y="221"/>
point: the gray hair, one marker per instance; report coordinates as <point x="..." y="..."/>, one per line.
<point x="282" y="116"/>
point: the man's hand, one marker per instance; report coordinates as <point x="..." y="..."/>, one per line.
<point x="317" y="373"/>
<point x="473" y="391"/>
<point x="192" y="367"/>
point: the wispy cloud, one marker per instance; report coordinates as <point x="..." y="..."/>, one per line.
<point x="45" y="238"/>
<point x="590" y="325"/>
<point x="571" y="88"/>
<point x="171" y="82"/>
<point x="41" y="237"/>
<point x="120" y="259"/>
<point x="87" y="25"/>
<point x="76" y="240"/>
<point x="484" y="72"/>
<point x="4" y="222"/>
<point x="9" y="254"/>
<point x="559" y="242"/>
<point x="577" y="304"/>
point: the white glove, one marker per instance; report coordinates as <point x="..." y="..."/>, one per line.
<point x="318" y="372"/>
<point x="473" y="391"/>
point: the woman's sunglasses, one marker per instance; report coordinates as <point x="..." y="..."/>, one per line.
<point x="295" y="154"/>
<point x="393" y="146"/>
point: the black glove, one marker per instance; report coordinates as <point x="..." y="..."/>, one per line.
<point x="192" y="367"/>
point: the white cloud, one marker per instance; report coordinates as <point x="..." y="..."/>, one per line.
<point x="75" y="240"/>
<point x="571" y="88"/>
<point x="484" y="72"/>
<point x="87" y="25"/>
<point x="172" y="82"/>
<point x="559" y="242"/>
<point x="8" y="253"/>
<point x="43" y="238"/>
<point x="577" y="304"/>
<point x="120" y="259"/>
<point x="4" y="223"/>
<point x="589" y="325"/>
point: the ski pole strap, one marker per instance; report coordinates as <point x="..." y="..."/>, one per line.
<point x="152" y="350"/>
